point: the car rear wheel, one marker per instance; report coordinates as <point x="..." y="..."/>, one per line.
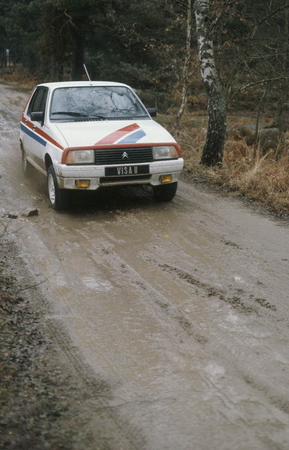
<point x="58" y="198"/>
<point x="165" y="192"/>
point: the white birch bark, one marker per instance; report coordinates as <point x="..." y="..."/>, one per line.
<point x="216" y="135"/>
<point x="186" y="65"/>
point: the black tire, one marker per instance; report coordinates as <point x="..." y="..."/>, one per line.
<point x="165" y="192"/>
<point x="58" y="198"/>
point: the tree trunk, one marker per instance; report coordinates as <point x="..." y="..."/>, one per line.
<point x="186" y="66"/>
<point x="217" y="111"/>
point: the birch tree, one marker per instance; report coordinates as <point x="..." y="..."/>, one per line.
<point x="186" y="65"/>
<point x="216" y="134"/>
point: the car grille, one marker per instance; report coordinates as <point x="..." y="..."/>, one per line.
<point x="129" y="155"/>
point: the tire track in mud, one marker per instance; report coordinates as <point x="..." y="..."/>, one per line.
<point x="109" y="427"/>
<point x="254" y="380"/>
<point x="275" y="398"/>
<point x="235" y="301"/>
<point x="273" y="394"/>
<point x="142" y="285"/>
<point x="189" y="327"/>
<point x="239" y="300"/>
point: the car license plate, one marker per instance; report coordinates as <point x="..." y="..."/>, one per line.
<point x="123" y="171"/>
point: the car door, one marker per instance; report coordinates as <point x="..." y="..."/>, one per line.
<point x="33" y="140"/>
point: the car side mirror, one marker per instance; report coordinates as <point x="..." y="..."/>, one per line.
<point x="37" y="116"/>
<point x="152" y="112"/>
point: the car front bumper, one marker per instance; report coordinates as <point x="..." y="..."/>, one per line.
<point x="68" y="176"/>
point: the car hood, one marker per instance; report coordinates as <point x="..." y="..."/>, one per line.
<point x="98" y="133"/>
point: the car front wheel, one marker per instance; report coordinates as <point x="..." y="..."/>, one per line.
<point x="165" y="192"/>
<point x="58" y="198"/>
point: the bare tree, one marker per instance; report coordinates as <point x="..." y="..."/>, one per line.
<point x="186" y="67"/>
<point x="216" y="135"/>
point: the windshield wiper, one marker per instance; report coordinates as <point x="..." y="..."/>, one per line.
<point x="69" y="113"/>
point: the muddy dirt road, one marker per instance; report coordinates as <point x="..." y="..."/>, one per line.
<point x="181" y="310"/>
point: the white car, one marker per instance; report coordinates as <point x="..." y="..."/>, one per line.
<point x="90" y="134"/>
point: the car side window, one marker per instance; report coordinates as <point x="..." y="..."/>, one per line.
<point x="38" y="101"/>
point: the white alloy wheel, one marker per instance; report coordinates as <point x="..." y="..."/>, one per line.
<point x="58" y="198"/>
<point x="51" y="188"/>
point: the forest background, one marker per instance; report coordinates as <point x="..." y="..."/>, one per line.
<point x="216" y="70"/>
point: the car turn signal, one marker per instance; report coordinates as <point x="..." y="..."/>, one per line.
<point x="82" y="184"/>
<point x="166" y="178"/>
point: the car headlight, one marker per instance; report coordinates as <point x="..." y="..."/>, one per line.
<point x="165" y="152"/>
<point x="80" y="157"/>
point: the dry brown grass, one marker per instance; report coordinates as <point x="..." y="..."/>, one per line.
<point x="262" y="179"/>
<point x="19" y="79"/>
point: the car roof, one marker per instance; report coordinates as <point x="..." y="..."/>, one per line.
<point x="55" y="85"/>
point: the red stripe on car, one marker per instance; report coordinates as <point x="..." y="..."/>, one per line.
<point x="40" y="132"/>
<point x="116" y="135"/>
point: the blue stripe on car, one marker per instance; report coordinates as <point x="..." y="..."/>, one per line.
<point x="133" y="138"/>
<point x="33" y="135"/>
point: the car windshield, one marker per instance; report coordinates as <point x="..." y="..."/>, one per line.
<point x="95" y="102"/>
